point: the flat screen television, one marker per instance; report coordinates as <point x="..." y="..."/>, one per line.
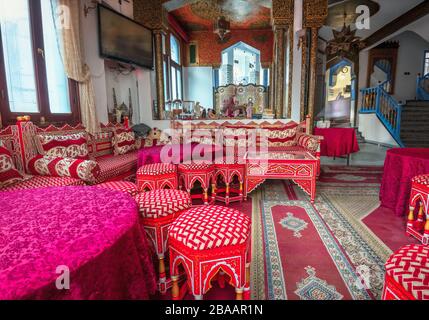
<point x="123" y="39"/>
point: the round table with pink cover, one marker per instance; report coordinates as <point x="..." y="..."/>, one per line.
<point x="93" y="234"/>
<point x="401" y="165"/>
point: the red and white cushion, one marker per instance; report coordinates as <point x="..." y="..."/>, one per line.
<point x="423" y="180"/>
<point x="162" y="203"/>
<point x="114" y="166"/>
<point x="72" y="145"/>
<point x="156" y="169"/>
<point x="124" y="141"/>
<point x="409" y="267"/>
<point x="211" y="227"/>
<point x="8" y="172"/>
<point x="195" y="167"/>
<point x="44" y="182"/>
<point x="308" y="142"/>
<point x="86" y="170"/>
<point x="123" y="186"/>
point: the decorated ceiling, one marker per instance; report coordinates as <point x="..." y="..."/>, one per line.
<point x="243" y="14"/>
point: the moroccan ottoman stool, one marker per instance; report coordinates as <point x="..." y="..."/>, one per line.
<point x="190" y="174"/>
<point x="124" y="186"/>
<point x="157" y="176"/>
<point x="419" y="228"/>
<point x="158" y="210"/>
<point x="229" y="182"/>
<point x="206" y="241"/>
<point x="407" y="274"/>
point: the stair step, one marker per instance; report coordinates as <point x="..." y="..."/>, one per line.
<point x="418" y="103"/>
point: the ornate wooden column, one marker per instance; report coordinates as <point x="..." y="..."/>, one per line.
<point x="282" y="21"/>
<point x="304" y="67"/>
<point x="315" y="13"/>
<point x="152" y="14"/>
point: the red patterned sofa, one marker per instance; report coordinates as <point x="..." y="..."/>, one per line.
<point x="111" y="167"/>
<point x="10" y="141"/>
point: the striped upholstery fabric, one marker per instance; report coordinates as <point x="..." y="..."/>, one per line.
<point x="162" y="203"/>
<point x="409" y="267"/>
<point x="124" y="186"/>
<point x="211" y="227"/>
<point x="113" y="166"/>
<point x="156" y="169"/>
<point x="43" y="182"/>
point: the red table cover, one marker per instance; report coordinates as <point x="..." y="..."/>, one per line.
<point x="337" y="142"/>
<point x="400" y="166"/>
<point x="94" y="232"/>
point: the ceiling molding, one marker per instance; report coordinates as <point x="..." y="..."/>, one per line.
<point x="402" y="21"/>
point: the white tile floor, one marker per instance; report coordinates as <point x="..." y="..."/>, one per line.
<point x="369" y="155"/>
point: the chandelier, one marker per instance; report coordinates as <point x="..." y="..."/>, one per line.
<point x="222" y="27"/>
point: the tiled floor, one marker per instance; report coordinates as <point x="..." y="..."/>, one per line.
<point x="369" y="155"/>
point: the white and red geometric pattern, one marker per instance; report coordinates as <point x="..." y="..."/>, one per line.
<point x="43" y="182"/>
<point x="227" y="172"/>
<point x="86" y="170"/>
<point x="114" y="166"/>
<point x="124" y="141"/>
<point x="8" y="172"/>
<point x="190" y="173"/>
<point x="308" y="142"/>
<point x="210" y="241"/>
<point x="156" y="176"/>
<point x="123" y="186"/>
<point x="156" y="169"/>
<point x="407" y="274"/>
<point x="162" y="203"/>
<point x="73" y="145"/>
<point x="159" y="209"/>
<point x="211" y="227"/>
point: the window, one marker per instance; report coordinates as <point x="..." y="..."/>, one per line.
<point x="241" y="65"/>
<point x="426" y="64"/>
<point x="173" y="71"/>
<point x="32" y="75"/>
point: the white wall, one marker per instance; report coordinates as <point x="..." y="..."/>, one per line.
<point x="198" y="85"/>
<point x="374" y="131"/>
<point x="297" y="61"/>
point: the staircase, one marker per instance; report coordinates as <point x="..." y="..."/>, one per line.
<point x="359" y="136"/>
<point x="415" y="124"/>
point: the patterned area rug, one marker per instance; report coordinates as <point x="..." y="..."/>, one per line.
<point x="322" y="251"/>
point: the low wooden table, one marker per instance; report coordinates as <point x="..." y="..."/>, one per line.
<point x="298" y="166"/>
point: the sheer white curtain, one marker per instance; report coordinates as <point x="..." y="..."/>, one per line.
<point x="67" y="22"/>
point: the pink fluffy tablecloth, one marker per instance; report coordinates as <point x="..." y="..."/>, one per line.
<point x="400" y="166"/>
<point x="337" y="142"/>
<point x="94" y="232"/>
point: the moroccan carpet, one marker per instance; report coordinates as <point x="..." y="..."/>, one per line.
<point x="323" y="251"/>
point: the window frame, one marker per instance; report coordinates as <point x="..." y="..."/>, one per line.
<point x="171" y="64"/>
<point x="37" y="44"/>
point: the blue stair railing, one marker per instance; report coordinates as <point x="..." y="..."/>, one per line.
<point x="377" y="100"/>
<point x="422" y="87"/>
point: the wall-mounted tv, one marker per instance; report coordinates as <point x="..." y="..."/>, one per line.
<point x="123" y="39"/>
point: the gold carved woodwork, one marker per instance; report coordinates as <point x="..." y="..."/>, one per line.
<point x="290" y="73"/>
<point x="280" y="34"/>
<point x="159" y="66"/>
<point x="303" y="40"/>
<point x="315" y="13"/>
<point x="282" y="13"/>
<point x="151" y="14"/>
<point x="313" y="67"/>
<point x="272" y="87"/>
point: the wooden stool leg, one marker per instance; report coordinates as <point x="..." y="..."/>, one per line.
<point x="411" y="217"/>
<point x="206" y="197"/>
<point x="238" y="294"/>
<point x="241" y="191"/>
<point x="175" y="290"/>
<point x="198" y="297"/>
<point x="227" y="194"/>
<point x="247" y="285"/>
<point x="161" y="261"/>
<point x="420" y="218"/>
<point x="214" y="193"/>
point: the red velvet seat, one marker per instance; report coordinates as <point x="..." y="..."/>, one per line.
<point x="407" y="274"/>
<point x="158" y="210"/>
<point x="207" y="240"/>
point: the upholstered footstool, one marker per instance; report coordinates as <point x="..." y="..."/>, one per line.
<point x="418" y="227"/>
<point x="158" y="210"/>
<point x="207" y="241"/>
<point x="229" y="179"/>
<point x="157" y="176"/>
<point x="123" y="186"/>
<point x="407" y="274"/>
<point x="190" y="174"/>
